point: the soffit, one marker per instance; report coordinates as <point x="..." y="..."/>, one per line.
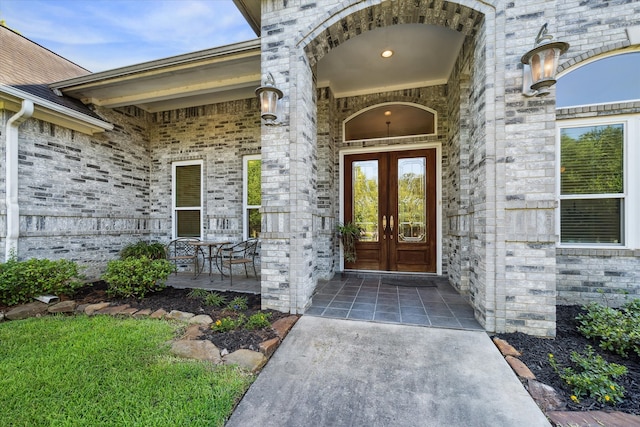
<point x="206" y="77"/>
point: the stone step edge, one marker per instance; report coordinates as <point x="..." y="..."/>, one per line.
<point x="267" y="348"/>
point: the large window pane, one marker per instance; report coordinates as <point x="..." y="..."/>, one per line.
<point x="592" y="184"/>
<point x="252" y="196"/>
<point x="254" y="177"/>
<point x="188" y="186"/>
<point x="254" y="226"/>
<point x="187" y="193"/>
<point x="365" y="198"/>
<point x="188" y="223"/>
<point x="591" y="221"/>
<point x="592" y="160"/>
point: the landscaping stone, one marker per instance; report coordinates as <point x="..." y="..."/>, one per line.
<point x="128" y="311"/>
<point x="593" y="419"/>
<point x="505" y="348"/>
<point x="251" y="360"/>
<point x="1" y="316"/>
<point x="179" y="315"/>
<point x="194" y="331"/>
<point x="113" y="310"/>
<point x="93" y="308"/>
<point x="142" y="313"/>
<point x="202" y="319"/>
<point x="545" y="396"/>
<point x="81" y="307"/>
<point x="32" y="309"/>
<point x="282" y="326"/>
<point x="268" y="347"/>
<point x="158" y="314"/>
<point x="196" y="349"/>
<point x="520" y="368"/>
<point x="63" y="307"/>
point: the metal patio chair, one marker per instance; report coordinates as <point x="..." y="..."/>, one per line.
<point x="243" y="253"/>
<point x="181" y="251"/>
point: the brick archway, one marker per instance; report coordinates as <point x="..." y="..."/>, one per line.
<point x="348" y="21"/>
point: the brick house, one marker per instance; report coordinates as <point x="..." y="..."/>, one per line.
<point x="466" y="167"/>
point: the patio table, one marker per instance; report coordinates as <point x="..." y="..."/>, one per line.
<point x="217" y="245"/>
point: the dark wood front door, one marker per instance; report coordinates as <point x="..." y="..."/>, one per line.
<point x="392" y="197"/>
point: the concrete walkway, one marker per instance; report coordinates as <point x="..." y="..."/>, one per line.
<point x="331" y="372"/>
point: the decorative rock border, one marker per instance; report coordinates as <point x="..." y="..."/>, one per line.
<point x="553" y="405"/>
<point x="188" y="346"/>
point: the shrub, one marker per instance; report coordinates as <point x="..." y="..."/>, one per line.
<point x="215" y="299"/>
<point x="238" y="304"/>
<point x="258" y="321"/>
<point x="20" y="281"/>
<point x="134" y="277"/>
<point x="142" y="248"/>
<point x="197" y="293"/>
<point x="618" y="330"/>
<point x="593" y="377"/>
<point x="227" y="324"/>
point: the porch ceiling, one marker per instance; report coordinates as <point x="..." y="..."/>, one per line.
<point x="424" y="55"/>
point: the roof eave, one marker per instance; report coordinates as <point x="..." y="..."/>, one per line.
<point x="237" y="48"/>
<point x="251" y="10"/>
<point x="11" y="99"/>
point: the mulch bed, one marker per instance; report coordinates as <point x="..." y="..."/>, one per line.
<point x="535" y="354"/>
<point x="178" y="299"/>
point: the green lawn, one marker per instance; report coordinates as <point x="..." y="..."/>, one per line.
<point x="104" y="371"/>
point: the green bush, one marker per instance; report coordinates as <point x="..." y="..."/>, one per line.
<point x="618" y="330"/>
<point x="197" y="293"/>
<point x="134" y="277"/>
<point x="258" y="321"/>
<point x="214" y="299"/>
<point x="238" y="304"/>
<point x="227" y="324"/>
<point x="142" y="248"/>
<point x="20" y="281"/>
<point x="593" y="377"/>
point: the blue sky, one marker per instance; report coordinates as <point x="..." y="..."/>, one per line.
<point x="105" y="34"/>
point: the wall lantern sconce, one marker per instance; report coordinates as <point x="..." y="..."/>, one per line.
<point x="269" y="96"/>
<point x="541" y="63"/>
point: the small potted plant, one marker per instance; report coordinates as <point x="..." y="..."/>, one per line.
<point x="349" y="233"/>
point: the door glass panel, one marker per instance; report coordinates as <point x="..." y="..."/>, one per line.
<point x="411" y="200"/>
<point x="365" y="198"/>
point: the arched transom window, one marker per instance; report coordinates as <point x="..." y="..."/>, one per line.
<point x="390" y="120"/>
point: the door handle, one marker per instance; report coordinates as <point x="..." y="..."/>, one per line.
<point x="391" y="225"/>
<point x="384" y="227"/>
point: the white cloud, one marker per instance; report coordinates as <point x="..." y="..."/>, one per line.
<point x="103" y="34"/>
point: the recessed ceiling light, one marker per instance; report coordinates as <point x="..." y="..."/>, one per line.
<point x="387" y="113"/>
<point x="387" y="53"/>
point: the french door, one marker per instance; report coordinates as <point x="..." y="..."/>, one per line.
<point x="391" y="196"/>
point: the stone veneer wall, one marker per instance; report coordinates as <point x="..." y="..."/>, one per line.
<point x="326" y="244"/>
<point x="82" y="197"/>
<point x="455" y="172"/>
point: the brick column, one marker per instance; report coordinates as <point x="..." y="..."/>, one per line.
<point x="288" y="175"/>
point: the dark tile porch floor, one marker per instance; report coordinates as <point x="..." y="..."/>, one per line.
<point x="348" y="296"/>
